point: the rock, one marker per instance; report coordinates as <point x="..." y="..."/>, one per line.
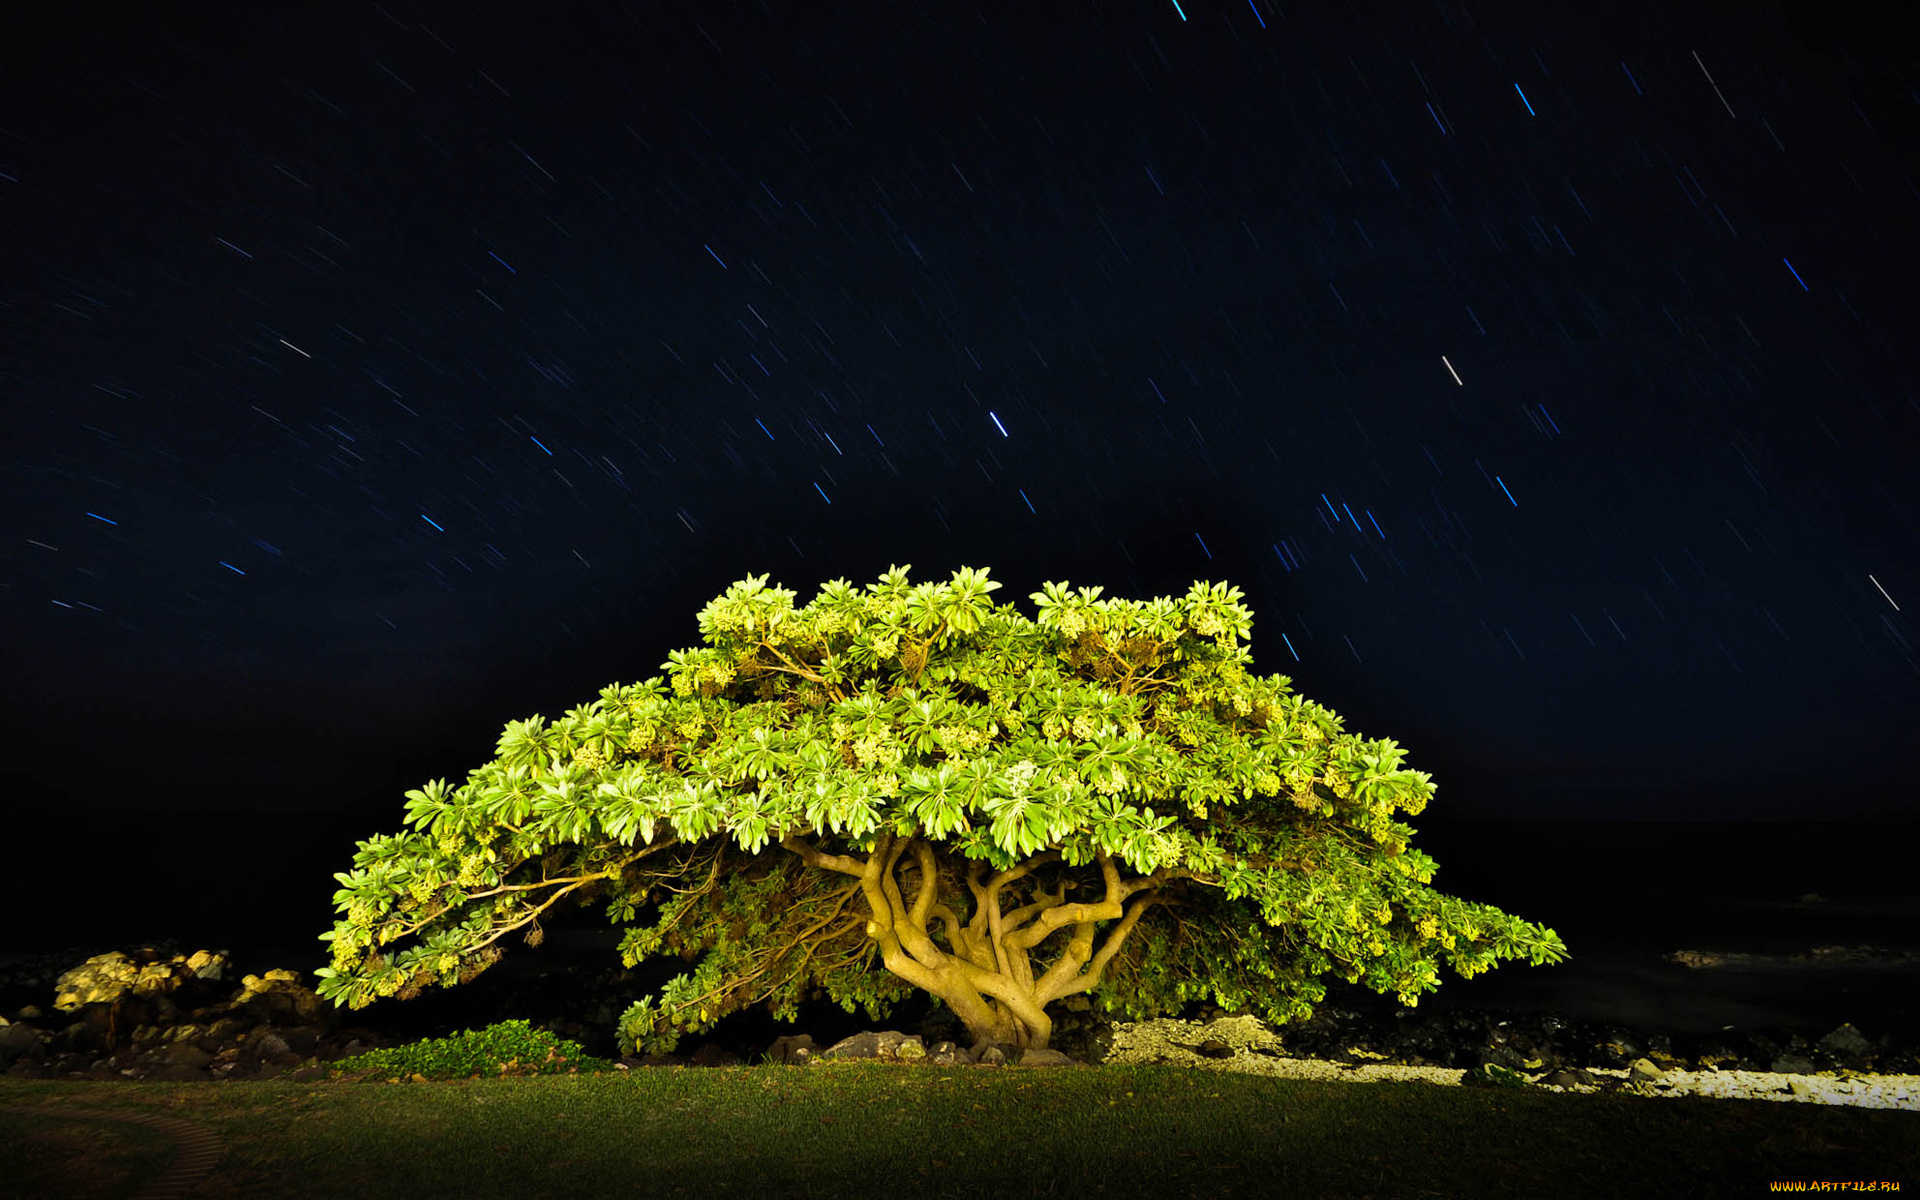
<point x="886" y="1044"/>
<point x="146" y="973"/>
<point x="1172" y="1041"/>
<point x="21" y="1042"/>
<point x="1039" y="1057"/>
<point x="176" y="1061"/>
<point x="266" y="1044"/>
<point x="207" y="965"/>
<point x="712" y="1055"/>
<point x="1792" y="1064"/>
<point x="101" y="979"/>
<point x="1846" y="1042"/>
<point x="793" y="1050"/>
<point x="892" y="1044"/>
<point x="279" y="998"/>
<point x="1618" y="1048"/>
<point x="865" y="1044"/>
<point x="1846" y="955"/>
<point x="150" y="1013"/>
<point x="1242" y="1032"/>
<point x="1534" y="1044"/>
<point x="137" y="998"/>
<point x="1509" y="1059"/>
<point x="309" y="1074"/>
<point x="656" y="1060"/>
<point x="989" y="1055"/>
<point x="1077" y="1003"/>
<point x="1697" y="959"/>
<point x="226" y="1029"/>
<point x="1818" y="956"/>
<point x="1643" y="1071"/>
<point x="1492" y="1075"/>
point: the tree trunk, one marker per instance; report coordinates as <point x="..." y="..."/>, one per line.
<point x="988" y="1021"/>
<point x="996" y="1025"/>
<point x="985" y="974"/>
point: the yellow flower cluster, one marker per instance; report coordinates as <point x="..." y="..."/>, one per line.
<point x="957" y="737"/>
<point x="875" y="751"/>
<point x="826" y="624"/>
<point x="1020" y="774"/>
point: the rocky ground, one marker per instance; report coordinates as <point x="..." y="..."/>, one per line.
<point x="160" y="1012"/>
<point x="1245" y="1044"/>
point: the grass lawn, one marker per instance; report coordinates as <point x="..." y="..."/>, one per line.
<point x="864" y="1129"/>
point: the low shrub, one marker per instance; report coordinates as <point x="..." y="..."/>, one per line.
<point x="507" y="1048"/>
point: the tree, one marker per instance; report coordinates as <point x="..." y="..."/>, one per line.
<point x="999" y="811"/>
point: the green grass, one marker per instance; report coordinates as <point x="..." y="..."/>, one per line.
<point x="863" y="1129"/>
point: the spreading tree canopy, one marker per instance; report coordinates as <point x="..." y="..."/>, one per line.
<point x="910" y="787"/>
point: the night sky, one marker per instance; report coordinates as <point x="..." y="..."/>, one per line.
<point x="377" y="378"/>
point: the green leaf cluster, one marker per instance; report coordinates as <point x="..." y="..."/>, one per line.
<point x="1101" y="733"/>
<point x="505" y="1048"/>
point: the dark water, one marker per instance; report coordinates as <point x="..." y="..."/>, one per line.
<point x="1621" y="895"/>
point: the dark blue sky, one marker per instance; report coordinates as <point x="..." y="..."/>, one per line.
<point x="378" y="378"/>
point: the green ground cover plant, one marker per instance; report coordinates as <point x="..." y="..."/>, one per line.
<point x="507" y="1047"/>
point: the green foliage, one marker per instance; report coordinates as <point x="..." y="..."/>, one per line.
<point x="509" y="1047"/>
<point x="763" y="929"/>
<point x="1104" y="792"/>
<point x="1493" y="1075"/>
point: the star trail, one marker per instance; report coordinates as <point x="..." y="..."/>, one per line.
<point x="1543" y="376"/>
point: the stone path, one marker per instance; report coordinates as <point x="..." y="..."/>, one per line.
<point x="197" y="1150"/>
